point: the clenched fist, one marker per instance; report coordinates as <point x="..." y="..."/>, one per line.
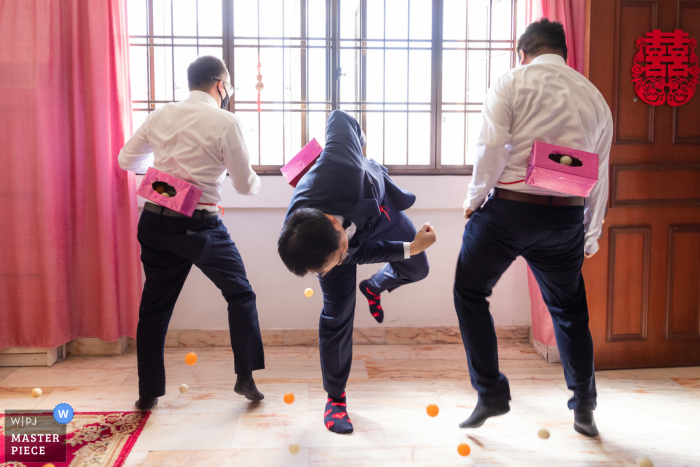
<point x="424" y="238"/>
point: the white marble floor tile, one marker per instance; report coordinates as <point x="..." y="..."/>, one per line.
<point x="654" y="373"/>
<point x="305" y="428"/>
<point x="303" y="371"/>
<point x="183" y="431"/>
<point x="65" y="377"/>
<point x="105" y="399"/>
<point x="379" y="395"/>
<point x="5" y="371"/>
<point x="375" y="352"/>
<point x="224" y="400"/>
<point x="228" y="458"/>
<point x="653" y="412"/>
<point x="21" y="398"/>
<point x="135" y="459"/>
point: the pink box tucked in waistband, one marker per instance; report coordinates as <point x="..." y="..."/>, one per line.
<point x="178" y="195"/>
<point x="545" y="169"/>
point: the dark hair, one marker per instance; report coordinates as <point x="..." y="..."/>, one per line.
<point x="543" y="34"/>
<point x="203" y="72"/>
<point x="307" y="241"/>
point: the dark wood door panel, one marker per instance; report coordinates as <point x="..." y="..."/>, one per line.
<point x="655" y="185"/>
<point x="628" y="286"/>
<point x="643" y="285"/>
<point x="634" y="120"/>
<point x="683" y="283"/>
<point x="686" y="118"/>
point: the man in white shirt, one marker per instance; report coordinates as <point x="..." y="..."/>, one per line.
<point x="197" y="141"/>
<point x="546" y="101"/>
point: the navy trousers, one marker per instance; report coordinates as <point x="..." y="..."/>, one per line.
<point x="169" y="248"/>
<point x="551" y="239"/>
<point x="340" y="288"/>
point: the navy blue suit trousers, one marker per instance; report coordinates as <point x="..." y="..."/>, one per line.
<point x="169" y="248"/>
<point x="551" y="239"/>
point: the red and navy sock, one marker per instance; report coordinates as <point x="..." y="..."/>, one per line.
<point x="336" y="416"/>
<point x="374" y="300"/>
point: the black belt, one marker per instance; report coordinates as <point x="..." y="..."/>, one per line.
<point x="198" y="213"/>
<point x="537" y="199"/>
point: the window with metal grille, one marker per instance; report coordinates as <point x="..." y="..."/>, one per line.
<point x="414" y="73"/>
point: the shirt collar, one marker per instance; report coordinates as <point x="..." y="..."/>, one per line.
<point x="202" y="96"/>
<point x="548" y="58"/>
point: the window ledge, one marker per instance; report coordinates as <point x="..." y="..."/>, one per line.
<point x="444" y="192"/>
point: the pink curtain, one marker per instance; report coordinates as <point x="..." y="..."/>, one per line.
<point x="69" y="263"/>
<point x="572" y="15"/>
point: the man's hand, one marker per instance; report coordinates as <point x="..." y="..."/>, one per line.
<point x="586" y="255"/>
<point x="424" y="238"/>
<point x="468" y="213"/>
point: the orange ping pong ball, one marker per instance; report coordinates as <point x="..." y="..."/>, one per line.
<point x="463" y="450"/>
<point x="49" y="465"/>
<point x="191" y="358"/>
<point x="309" y="293"/>
<point x="432" y="410"/>
<point x="289" y="398"/>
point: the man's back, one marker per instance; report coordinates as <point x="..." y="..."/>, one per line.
<point x="549" y="102"/>
<point x="194" y="141"/>
<point x="554" y="104"/>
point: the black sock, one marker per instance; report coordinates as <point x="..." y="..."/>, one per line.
<point x="245" y="386"/>
<point x="374" y="300"/>
<point x="482" y="412"/>
<point x="336" y="416"/>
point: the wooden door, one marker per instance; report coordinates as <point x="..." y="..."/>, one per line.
<point x="643" y="285"/>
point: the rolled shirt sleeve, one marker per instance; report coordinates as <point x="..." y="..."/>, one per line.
<point x="491" y="150"/>
<point x="137" y="152"/>
<point x="245" y="181"/>
<point x="594" y="207"/>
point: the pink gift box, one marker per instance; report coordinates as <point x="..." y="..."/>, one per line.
<point x="545" y="171"/>
<point x="302" y="162"/>
<point x="183" y="195"/>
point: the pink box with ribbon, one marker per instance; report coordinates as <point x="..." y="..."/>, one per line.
<point x="302" y="162"/>
<point x="171" y="192"/>
<point x="561" y="169"/>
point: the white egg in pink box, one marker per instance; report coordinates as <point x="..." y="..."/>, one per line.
<point x="561" y="169"/>
<point x="183" y="196"/>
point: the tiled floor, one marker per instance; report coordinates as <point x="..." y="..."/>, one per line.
<point x="641" y="412"/>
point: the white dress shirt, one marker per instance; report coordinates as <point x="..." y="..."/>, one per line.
<point x="197" y="142"/>
<point x="350" y="232"/>
<point x="544" y="101"/>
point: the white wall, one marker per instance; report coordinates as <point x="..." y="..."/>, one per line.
<point x="255" y="222"/>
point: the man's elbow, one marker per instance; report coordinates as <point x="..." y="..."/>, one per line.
<point x="122" y="159"/>
<point x="249" y="189"/>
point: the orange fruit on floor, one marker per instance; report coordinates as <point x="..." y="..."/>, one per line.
<point x="191" y="358"/>
<point x="463" y="450"/>
<point x="432" y="410"/>
<point x="289" y="398"/>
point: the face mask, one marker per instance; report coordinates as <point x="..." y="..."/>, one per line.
<point x="224" y="101"/>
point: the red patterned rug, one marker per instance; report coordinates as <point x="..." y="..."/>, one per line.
<point x="93" y="439"/>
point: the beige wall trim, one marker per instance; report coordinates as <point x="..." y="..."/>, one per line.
<point x="361" y="336"/>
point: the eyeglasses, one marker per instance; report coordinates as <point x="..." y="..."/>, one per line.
<point x="227" y="86"/>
